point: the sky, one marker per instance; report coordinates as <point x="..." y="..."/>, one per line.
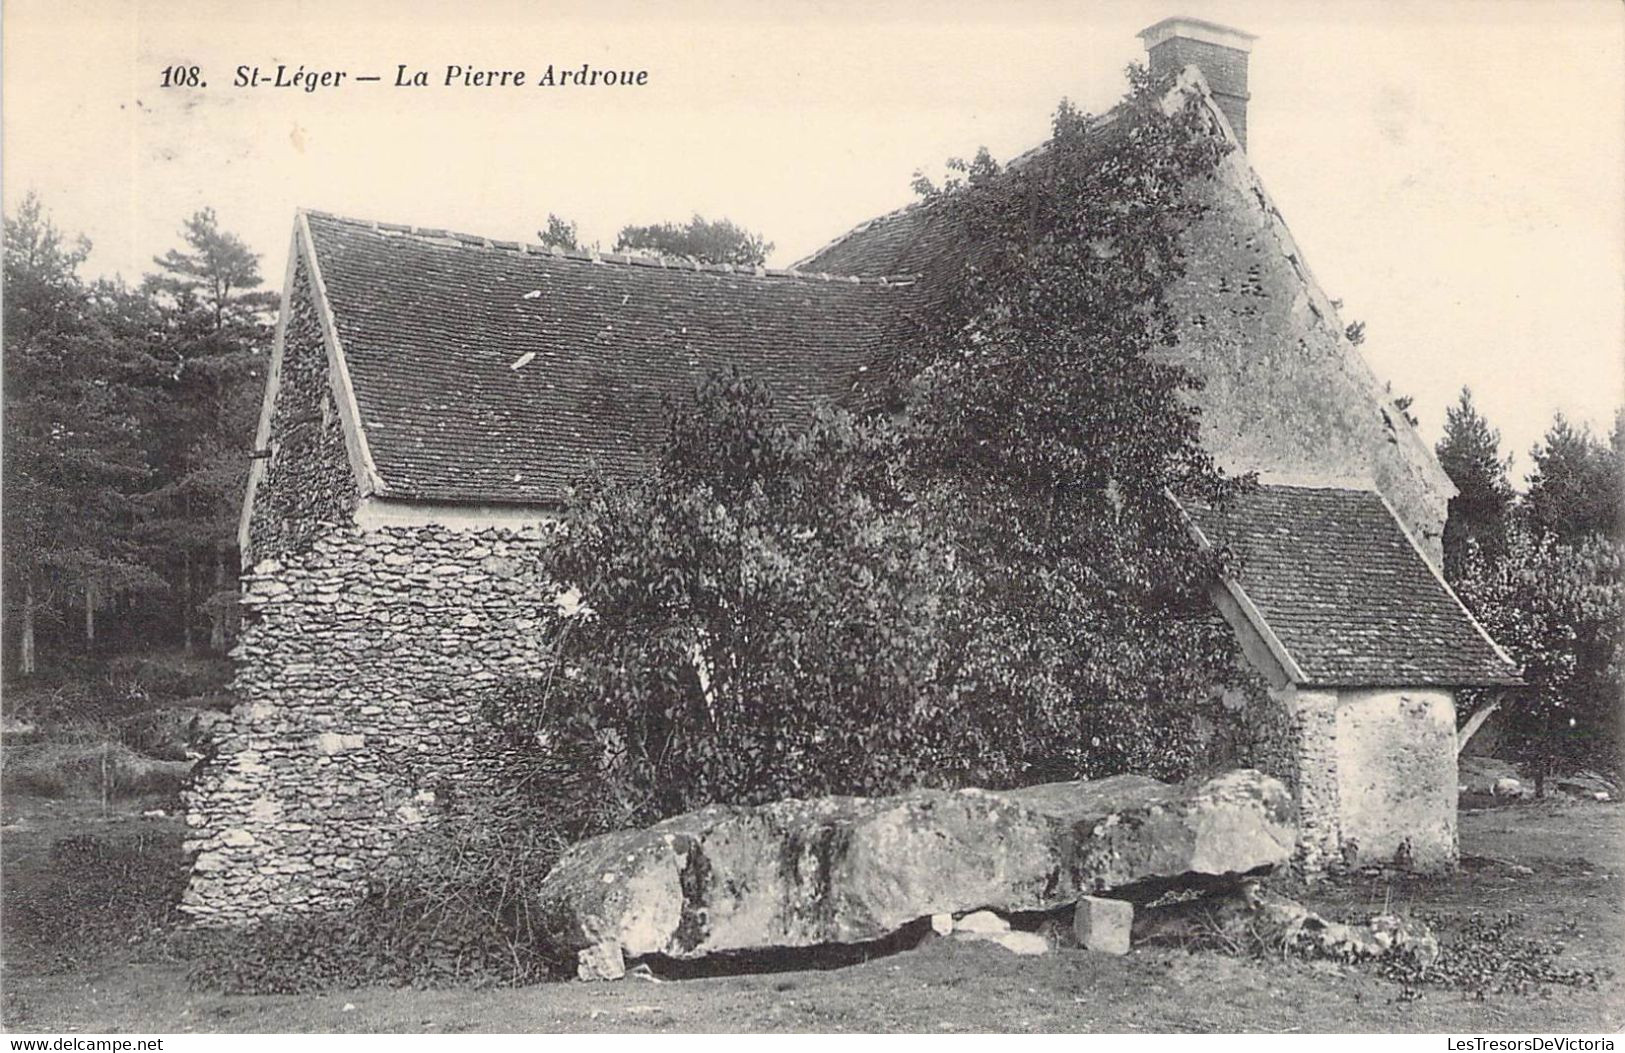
<point x="1454" y="172"/>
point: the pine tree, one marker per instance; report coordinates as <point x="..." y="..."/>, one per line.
<point x="1470" y="453"/>
<point x="73" y="456"/>
<point x="1574" y="487"/>
<point x="216" y="332"/>
<point x="1555" y="600"/>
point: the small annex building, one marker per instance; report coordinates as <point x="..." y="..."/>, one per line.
<point x="431" y="395"/>
<point x="1362" y="645"/>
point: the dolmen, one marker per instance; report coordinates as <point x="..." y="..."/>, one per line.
<point x="852" y="870"/>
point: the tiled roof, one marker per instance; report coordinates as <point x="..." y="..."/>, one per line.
<point x="921" y="239"/>
<point x="1347" y="594"/>
<point x="492" y="372"/>
<point x="876" y="245"/>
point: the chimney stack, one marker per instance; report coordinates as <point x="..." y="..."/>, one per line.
<point x="1218" y="51"/>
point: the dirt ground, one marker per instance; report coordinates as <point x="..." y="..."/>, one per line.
<point x="1572" y="891"/>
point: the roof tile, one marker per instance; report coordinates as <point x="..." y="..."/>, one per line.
<point x="1346" y="592"/>
<point x="433" y="324"/>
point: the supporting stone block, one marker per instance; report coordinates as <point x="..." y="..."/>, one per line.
<point x="1103" y="924"/>
<point x="601" y="961"/>
<point x="981" y="923"/>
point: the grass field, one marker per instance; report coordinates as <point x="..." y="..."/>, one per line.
<point x="1559" y="864"/>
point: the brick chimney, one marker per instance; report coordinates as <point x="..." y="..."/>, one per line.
<point x="1218" y="51"/>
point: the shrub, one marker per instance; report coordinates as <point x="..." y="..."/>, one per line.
<point x="101" y="692"/>
<point x="80" y="765"/>
<point x="172" y="732"/>
<point x="69" y="703"/>
<point x="94" y="899"/>
<point x="170" y="676"/>
<point x="1057" y="427"/>
<point x="768" y="615"/>
<point x="971" y="573"/>
<point x="451" y="906"/>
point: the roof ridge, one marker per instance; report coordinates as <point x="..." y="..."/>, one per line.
<point x="1097" y="122"/>
<point x="862" y="228"/>
<point x="437" y="235"/>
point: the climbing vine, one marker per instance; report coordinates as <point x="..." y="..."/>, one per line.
<point x="1057" y="429"/>
<point x="983" y="579"/>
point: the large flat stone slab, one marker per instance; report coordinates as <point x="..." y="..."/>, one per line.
<point x="800" y="873"/>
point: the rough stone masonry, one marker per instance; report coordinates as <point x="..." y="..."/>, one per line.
<point x="360" y="676"/>
<point x="360" y="665"/>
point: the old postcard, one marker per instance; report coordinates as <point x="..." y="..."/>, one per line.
<point x="1047" y="517"/>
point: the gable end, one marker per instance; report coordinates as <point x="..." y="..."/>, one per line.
<point x="309" y="465"/>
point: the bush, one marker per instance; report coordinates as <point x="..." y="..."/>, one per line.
<point x="451" y="906"/>
<point x="769" y="616"/>
<point x="172" y="732"/>
<point x="93" y="691"/>
<point x="95" y="898"/>
<point x="972" y="573"/>
<point x="78" y="764"/>
<point x="167" y="676"/>
<point x="68" y="703"/>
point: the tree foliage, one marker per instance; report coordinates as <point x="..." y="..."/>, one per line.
<point x="1470" y="453"/>
<point x="708" y="241"/>
<point x="559" y="233"/>
<point x="768" y="613"/>
<point x="75" y="365"/>
<point x="128" y="419"/>
<point x="216" y="325"/>
<point x="984" y="581"/>
<point x="1059" y="434"/>
<point x="1559" y="607"/>
<point x="1543" y="572"/>
<point x="1577" y="481"/>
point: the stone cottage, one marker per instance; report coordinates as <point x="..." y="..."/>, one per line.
<point x="431" y="394"/>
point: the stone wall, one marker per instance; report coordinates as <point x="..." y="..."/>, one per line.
<point x="1290" y="734"/>
<point x="308" y="485"/>
<point x="362" y="662"/>
<point x="1373" y="773"/>
<point x="1311" y="724"/>
<point x="362" y="665"/>
<point x="1283" y="390"/>
<point x="1396" y="775"/>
